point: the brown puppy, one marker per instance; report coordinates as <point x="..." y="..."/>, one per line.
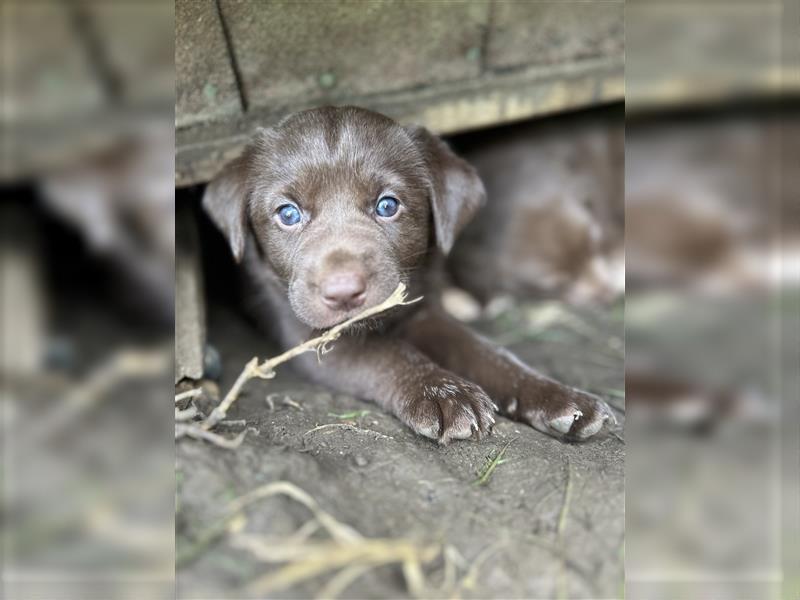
<point x="327" y="212"/>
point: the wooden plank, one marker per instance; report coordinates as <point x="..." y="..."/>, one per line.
<point x="23" y="303"/>
<point x="205" y="81"/>
<point x="446" y="108"/>
<point x="190" y="314"/>
<point x="315" y="50"/>
<point x="451" y="66"/>
<point x="707" y="53"/>
<point x="547" y="33"/>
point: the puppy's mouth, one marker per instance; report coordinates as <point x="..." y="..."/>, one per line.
<point x="317" y="312"/>
<point x="341" y="317"/>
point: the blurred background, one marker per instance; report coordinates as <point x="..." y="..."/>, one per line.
<point x="115" y="115"/>
<point x="86" y="299"/>
<point x="711" y="240"/>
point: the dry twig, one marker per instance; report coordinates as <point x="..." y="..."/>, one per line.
<point x="470" y="580"/>
<point x="185" y="415"/>
<point x="188" y="394"/>
<point x="562" y="523"/>
<point x="266" y="370"/>
<point x="346" y="553"/>
<point x="198" y="433"/>
<point x="348" y="427"/>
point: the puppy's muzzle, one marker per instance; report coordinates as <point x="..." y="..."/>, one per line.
<point x="343" y="289"/>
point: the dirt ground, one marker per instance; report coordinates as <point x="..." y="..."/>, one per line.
<point x="547" y="521"/>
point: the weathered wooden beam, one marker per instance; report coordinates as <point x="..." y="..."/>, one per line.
<point x="451" y="66"/>
<point x="23" y="306"/>
<point x="200" y="152"/>
<point x="190" y="313"/>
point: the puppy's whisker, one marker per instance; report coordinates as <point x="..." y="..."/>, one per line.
<point x="412" y="255"/>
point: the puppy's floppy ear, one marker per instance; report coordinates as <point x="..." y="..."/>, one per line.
<point x="457" y="191"/>
<point x="225" y="201"/>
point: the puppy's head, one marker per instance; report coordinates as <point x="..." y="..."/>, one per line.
<point x="343" y="204"/>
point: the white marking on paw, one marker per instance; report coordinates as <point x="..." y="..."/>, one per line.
<point x="562" y="424"/>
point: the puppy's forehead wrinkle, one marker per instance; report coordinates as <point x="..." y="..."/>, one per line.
<point x="339" y="141"/>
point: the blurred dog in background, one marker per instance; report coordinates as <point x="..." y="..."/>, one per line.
<point x="554" y="225"/>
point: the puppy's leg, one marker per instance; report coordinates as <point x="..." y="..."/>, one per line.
<point x="521" y="393"/>
<point x="431" y="400"/>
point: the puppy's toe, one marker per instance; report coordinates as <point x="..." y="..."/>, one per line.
<point x="465" y="416"/>
<point x="591" y="428"/>
<point x="430" y="429"/>
<point x="461" y="428"/>
<point x="484" y="410"/>
<point x="594" y="414"/>
<point x="423" y="416"/>
<point x="564" y="423"/>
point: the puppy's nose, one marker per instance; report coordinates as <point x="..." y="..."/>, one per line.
<point x="343" y="290"/>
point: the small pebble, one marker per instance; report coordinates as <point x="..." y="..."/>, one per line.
<point x="360" y="460"/>
<point x="212" y="363"/>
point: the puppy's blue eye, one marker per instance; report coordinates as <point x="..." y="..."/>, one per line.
<point x="289" y="214"/>
<point x="387" y="207"/>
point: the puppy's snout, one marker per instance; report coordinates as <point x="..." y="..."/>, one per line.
<point x="343" y="290"/>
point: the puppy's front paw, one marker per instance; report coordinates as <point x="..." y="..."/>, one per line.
<point x="558" y="410"/>
<point x="445" y="407"/>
